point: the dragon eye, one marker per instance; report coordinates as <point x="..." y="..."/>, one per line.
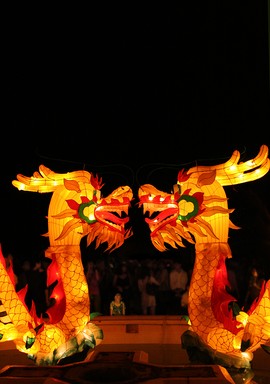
<point x="192" y="200"/>
<point x="86" y="212"/>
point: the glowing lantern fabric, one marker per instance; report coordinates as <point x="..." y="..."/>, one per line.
<point x="76" y="209"/>
<point x="197" y="211"/>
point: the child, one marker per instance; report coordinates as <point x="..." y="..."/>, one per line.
<point x="117" y="306"/>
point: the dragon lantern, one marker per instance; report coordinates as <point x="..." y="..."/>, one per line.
<point x="197" y="212"/>
<point x="76" y="209"/>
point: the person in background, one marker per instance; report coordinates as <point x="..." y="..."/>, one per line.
<point x="93" y="282"/>
<point x="117" y="306"/>
<point x="184" y="302"/>
<point x="255" y="284"/>
<point x="148" y="300"/>
<point x="105" y="270"/>
<point x="163" y="293"/>
<point x="178" y="278"/>
<point x="122" y="283"/>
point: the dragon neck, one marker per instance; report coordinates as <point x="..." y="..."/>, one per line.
<point x="71" y="271"/>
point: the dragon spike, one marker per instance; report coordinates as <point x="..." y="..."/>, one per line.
<point x="232" y="172"/>
<point x="47" y="181"/>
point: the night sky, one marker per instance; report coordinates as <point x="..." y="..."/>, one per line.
<point x="135" y="95"/>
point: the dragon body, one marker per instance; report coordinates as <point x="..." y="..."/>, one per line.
<point x="197" y="212"/>
<point x="76" y="210"/>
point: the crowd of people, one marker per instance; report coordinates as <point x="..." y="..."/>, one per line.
<point x="154" y="286"/>
<point x="146" y="287"/>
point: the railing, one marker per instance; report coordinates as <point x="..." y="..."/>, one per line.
<point x="141" y="329"/>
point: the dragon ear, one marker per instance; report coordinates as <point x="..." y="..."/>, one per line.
<point x="206" y="178"/>
<point x="72" y="185"/>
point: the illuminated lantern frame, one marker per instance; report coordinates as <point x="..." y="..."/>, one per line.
<point x="76" y="210"/>
<point x="197" y="211"/>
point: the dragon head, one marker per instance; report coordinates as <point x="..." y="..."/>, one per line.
<point x="197" y="209"/>
<point x="181" y="215"/>
<point x="77" y="208"/>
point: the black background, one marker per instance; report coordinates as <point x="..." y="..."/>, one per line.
<point x="134" y="93"/>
